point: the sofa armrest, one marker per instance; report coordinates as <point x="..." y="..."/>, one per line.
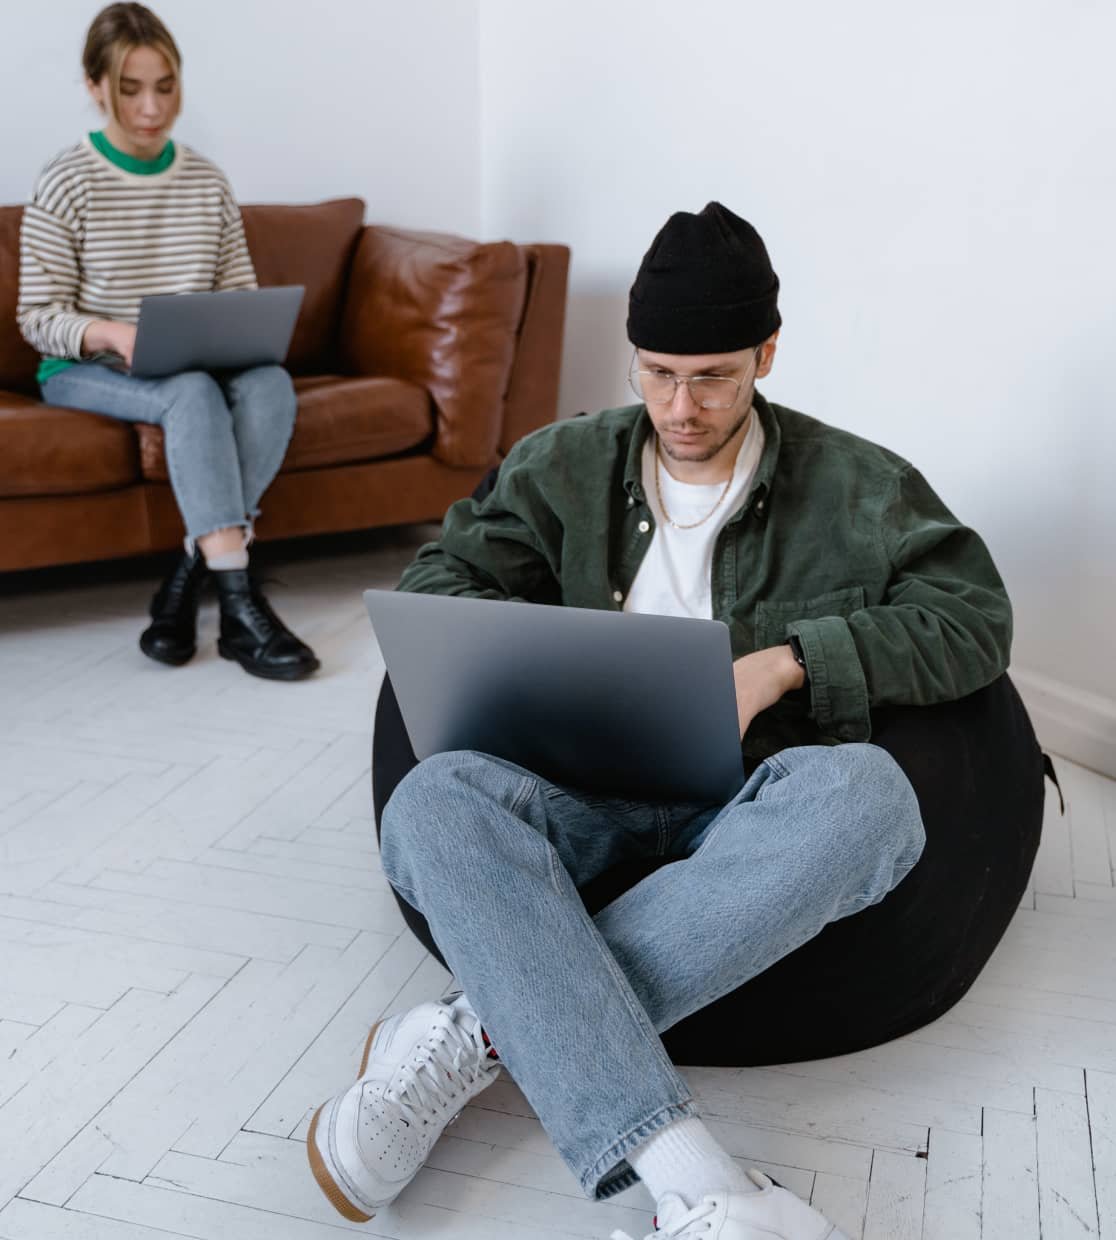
<point x="442" y="312"/>
<point x="532" y="399"/>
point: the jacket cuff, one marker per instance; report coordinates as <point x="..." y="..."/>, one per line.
<point x="838" y="690"/>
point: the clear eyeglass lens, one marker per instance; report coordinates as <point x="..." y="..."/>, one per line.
<point x="657" y="387"/>
<point x="714" y="393"/>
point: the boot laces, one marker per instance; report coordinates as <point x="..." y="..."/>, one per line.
<point x="256" y="611"/>
<point x="444" y="1065"/>
<point x="259" y="609"/>
<point x="685" y="1227"/>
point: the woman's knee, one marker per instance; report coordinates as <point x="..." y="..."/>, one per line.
<point x="196" y="393"/>
<point x="264" y="395"/>
<point x="193" y="386"/>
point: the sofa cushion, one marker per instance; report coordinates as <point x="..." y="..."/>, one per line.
<point x="50" y="451"/>
<point x="313" y="246"/>
<point x="442" y="312"/>
<point x="18" y="360"/>
<point x="340" y="421"/>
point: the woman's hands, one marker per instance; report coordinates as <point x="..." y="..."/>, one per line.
<point x="761" y="680"/>
<point x="108" y="336"/>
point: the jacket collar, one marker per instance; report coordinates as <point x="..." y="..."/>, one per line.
<point x="765" y="470"/>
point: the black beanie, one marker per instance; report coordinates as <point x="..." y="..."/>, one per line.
<point x="705" y="286"/>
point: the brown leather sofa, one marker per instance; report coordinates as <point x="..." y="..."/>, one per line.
<point x="419" y="359"/>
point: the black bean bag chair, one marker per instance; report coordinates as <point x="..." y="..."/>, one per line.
<point x="977" y="770"/>
<point x="978" y="773"/>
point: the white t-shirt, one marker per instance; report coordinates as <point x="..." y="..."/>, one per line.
<point x="676" y="575"/>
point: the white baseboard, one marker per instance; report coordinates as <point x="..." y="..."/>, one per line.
<point x="1071" y="722"/>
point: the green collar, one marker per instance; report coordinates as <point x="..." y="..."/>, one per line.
<point x="129" y="163"/>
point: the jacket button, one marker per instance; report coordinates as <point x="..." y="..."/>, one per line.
<point x="617" y="597"/>
<point x="759" y="506"/>
<point x="644" y="526"/>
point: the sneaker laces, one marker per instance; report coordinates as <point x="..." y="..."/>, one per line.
<point x="686" y="1226"/>
<point x="445" y="1064"/>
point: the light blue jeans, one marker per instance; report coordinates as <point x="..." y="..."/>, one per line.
<point x="493" y="857"/>
<point x="225" y="435"/>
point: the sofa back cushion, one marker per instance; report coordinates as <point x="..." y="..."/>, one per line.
<point x="443" y="313"/>
<point x="310" y="245"/>
<point x="18" y="361"/>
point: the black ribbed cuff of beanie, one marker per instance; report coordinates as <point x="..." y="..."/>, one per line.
<point x="702" y="329"/>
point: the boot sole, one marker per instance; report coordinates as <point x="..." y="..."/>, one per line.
<point x="326" y="1181"/>
<point x="267" y="673"/>
<point x="169" y="660"/>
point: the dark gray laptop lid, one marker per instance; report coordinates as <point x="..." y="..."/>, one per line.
<point x="215" y="331"/>
<point x="626" y="705"/>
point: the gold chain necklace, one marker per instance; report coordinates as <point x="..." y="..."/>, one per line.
<point x="663" y="508"/>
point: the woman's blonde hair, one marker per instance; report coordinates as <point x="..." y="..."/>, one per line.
<point x="114" y="32"/>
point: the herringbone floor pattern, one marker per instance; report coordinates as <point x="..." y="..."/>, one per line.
<point x="195" y="936"/>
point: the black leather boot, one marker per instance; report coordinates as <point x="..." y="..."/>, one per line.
<point x="253" y="635"/>
<point x="172" y="635"/>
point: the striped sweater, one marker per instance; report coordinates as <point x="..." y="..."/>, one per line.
<point x="97" y="237"/>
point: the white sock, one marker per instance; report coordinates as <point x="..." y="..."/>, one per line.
<point x="684" y="1158"/>
<point x="228" y="560"/>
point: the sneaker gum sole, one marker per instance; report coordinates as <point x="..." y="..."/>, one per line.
<point x="326" y="1182"/>
<point x="368" y="1049"/>
<point x="334" y="1195"/>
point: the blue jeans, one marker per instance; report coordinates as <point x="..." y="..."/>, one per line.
<point x="493" y="857"/>
<point x="225" y="435"/>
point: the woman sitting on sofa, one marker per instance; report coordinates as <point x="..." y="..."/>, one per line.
<point x="123" y="214"/>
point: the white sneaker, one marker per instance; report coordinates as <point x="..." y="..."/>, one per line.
<point x="420" y="1068"/>
<point x="771" y="1214"/>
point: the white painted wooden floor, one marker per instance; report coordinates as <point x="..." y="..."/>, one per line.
<point x="195" y="937"/>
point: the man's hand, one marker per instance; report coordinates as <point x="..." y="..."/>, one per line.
<point x="108" y="336"/>
<point x="762" y="679"/>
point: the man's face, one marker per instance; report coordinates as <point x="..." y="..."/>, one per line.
<point x="689" y="433"/>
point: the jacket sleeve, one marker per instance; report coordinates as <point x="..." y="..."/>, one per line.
<point x="491" y="548"/>
<point x="49" y="277"/>
<point x="942" y="631"/>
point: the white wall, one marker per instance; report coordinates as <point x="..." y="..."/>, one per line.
<point x="937" y="188"/>
<point x="936" y="185"/>
<point x="297" y="102"/>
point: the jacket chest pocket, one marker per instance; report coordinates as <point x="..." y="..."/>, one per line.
<point x="773" y="615"/>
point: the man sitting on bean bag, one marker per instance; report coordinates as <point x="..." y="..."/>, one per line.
<point x="846" y="584"/>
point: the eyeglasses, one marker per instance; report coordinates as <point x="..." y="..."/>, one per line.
<point x="658" y="387"/>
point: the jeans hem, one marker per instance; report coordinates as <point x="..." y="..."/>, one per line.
<point x="190" y="541"/>
<point x="612" y="1173"/>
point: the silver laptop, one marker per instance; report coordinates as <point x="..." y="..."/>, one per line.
<point x="214" y="331"/>
<point x="623" y="705"/>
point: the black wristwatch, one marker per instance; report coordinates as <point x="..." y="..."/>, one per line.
<point x="800" y="658"/>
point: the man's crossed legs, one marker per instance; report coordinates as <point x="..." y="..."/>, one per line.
<point x="493" y="857"/>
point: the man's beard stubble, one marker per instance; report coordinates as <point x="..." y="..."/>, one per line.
<point x="712" y="452"/>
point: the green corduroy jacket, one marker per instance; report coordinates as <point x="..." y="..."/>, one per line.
<point x="839" y="541"/>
